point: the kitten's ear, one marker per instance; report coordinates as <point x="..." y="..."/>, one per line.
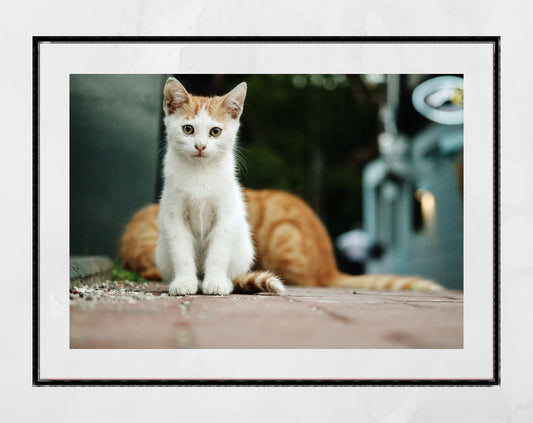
<point x="234" y="100"/>
<point x="175" y="96"/>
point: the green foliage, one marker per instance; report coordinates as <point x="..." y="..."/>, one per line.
<point x="118" y="273"/>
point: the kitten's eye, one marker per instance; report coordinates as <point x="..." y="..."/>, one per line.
<point x="215" y="132"/>
<point x="188" y="129"/>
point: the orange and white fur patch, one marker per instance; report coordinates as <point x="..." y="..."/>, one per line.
<point x="204" y="239"/>
<point x="203" y="233"/>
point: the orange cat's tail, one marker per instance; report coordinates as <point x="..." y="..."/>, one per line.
<point x="258" y="281"/>
<point x="372" y="281"/>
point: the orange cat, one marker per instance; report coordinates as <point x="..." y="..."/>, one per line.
<point x="290" y="240"/>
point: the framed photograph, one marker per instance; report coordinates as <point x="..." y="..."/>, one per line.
<point x="391" y="143"/>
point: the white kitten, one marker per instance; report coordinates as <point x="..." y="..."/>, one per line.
<point x="204" y="236"/>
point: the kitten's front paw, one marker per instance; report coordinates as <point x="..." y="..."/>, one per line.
<point x="221" y="286"/>
<point x="183" y="286"/>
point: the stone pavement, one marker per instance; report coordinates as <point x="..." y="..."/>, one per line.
<point x="142" y="315"/>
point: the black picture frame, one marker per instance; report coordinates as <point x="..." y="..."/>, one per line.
<point x="37" y="380"/>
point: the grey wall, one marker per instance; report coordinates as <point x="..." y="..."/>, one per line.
<point x="115" y="129"/>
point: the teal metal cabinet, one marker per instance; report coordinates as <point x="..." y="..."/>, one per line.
<point x="115" y="133"/>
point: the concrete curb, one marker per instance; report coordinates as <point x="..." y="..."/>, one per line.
<point x="89" y="269"/>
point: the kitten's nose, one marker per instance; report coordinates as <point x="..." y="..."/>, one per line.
<point x="200" y="148"/>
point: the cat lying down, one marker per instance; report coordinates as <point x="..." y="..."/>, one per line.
<point x="207" y="232"/>
<point x="290" y="241"/>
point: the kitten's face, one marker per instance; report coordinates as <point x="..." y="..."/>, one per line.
<point x="201" y="129"/>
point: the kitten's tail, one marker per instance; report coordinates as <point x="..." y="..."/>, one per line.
<point x="372" y="281"/>
<point x="258" y="281"/>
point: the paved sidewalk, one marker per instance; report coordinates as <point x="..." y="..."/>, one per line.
<point x="142" y="315"/>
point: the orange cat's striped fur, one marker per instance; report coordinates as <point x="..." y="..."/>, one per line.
<point x="290" y="240"/>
